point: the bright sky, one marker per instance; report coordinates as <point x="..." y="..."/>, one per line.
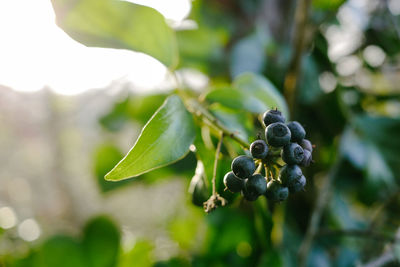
<point x="35" y="53"/>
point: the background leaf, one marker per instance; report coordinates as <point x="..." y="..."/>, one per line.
<point x="164" y="139"/>
<point x="101" y="242"/>
<point x="263" y="89"/>
<point x="118" y="24"/>
<point x="236" y="99"/>
<point x="61" y="251"/>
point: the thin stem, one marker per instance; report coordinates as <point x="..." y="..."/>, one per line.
<point x="324" y="195"/>
<point x="215" y="199"/>
<point x="217" y="151"/>
<point x="259" y="168"/>
<point x="198" y="110"/>
<point x="299" y="43"/>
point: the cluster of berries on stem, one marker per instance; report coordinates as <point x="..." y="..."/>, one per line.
<point x="278" y="157"/>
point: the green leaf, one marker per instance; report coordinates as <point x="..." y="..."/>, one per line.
<point x="118" y="24"/>
<point x="261" y="88"/>
<point x="105" y="157"/>
<point x="236" y="121"/>
<point x="164" y="139"/>
<point x="327" y="4"/>
<point x="236" y="99"/>
<point x="61" y="251"/>
<point x="140" y="255"/>
<point x="101" y="242"/>
<point x="249" y="54"/>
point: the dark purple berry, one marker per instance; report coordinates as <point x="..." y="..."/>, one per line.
<point x="233" y="183"/>
<point x="297" y="131"/>
<point x="259" y="149"/>
<point x="272" y="116"/>
<point x="289" y="174"/>
<point x="243" y="167"/>
<point x="277" y="134"/>
<point x="292" y="154"/>
<point x="276" y="192"/>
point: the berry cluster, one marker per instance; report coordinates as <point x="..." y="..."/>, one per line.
<point x="284" y="142"/>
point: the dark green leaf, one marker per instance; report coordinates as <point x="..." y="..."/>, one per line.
<point x="118" y="24"/>
<point x="101" y="242"/>
<point x="164" y="139"/>
<point x="105" y="158"/>
<point x="61" y="251"/>
<point x="263" y="89"/>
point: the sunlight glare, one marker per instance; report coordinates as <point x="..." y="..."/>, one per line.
<point x="35" y="53"/>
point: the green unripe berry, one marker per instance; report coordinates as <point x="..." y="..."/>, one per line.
<point x="297" y="131"/>
<point x="272" y="116"/>
<point x="306" y="145"/>
<point x="276" y="191"/>
<point x="259" y="149"/>
<point x="306" y="159"/>
<point x="292" y="154"/>
<point x="243" y="167"/>
<point x="277" y="134"/>
<point x="256" y="184"/>
<point x="233" y="183"/>
<point x="290" y="174"/>
<point x="298" y="185"/>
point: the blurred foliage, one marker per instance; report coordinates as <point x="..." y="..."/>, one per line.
<point x="352" y="116"/>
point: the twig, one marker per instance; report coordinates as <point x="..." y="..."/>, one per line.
<point x="357" y="233"/>
<point x="217" y="151"/>
<point x="382" y="260"/>
<point x="381" y="208"/>
<point x="215" y="200"/>
<point x="322" y="200"/>
<point x="387" y="256"/>
<point x="197" y="109"/>
<point x="299" y="43"/>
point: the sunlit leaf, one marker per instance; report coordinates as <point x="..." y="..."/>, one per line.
<point x="140" y="255"/>
<point x="118" y="24"/>
<point x="263" y="89"/>
<point x="164" y="139"/>
<point x="237" y="99"/>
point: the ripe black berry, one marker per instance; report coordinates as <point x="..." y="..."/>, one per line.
<point x="243" y="166"/>
<point x="306" y="159"/>
<point x="249" y="195"/>
<point x="298" y="185"/>
<point x="289" y="174"/>
<point x="277" y="134"/>
<point x="276" y="191"/>
<point x="259" y="149"/>
<point x="256" y="184"/>
<point x="297" y="131"/>
<point x="306" y="144"/>
<point x="272" y="116"/>
<point x="292" y="153"/>
<point x="233" y="183"/>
